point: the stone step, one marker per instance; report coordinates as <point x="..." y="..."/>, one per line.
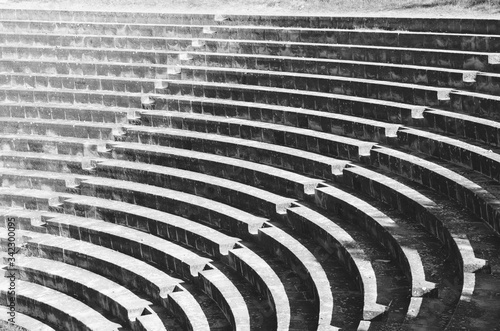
<point x="22" y="322"/>
<point x="165" y="254"/>
<point x="327" y="144"/>
<point x="54" y="145"/>
<point x="304" y="163"/>
<point x="441" y="24"/>
<point x="478" y="130"/>
<point x="58" y="163"/>
<point x="449" y="183"/>
<point x="56" y="111"/>
<point x="421" y="75"/>
<point x="55" y="308"/>
<point x="468" y="60"/>
<point x="475" y="104"/>
<point x="390" y="234"/>
<point x="241" y="196"/>
<point x="393" y="112"/>
<point x="346" y="125"/>
<point x="305" y="264"/>
<point x="215" y="214"/>
<point x="451" y="150"/>
<point x="96" y="291"/>
<point x="266" y="177"/>
<point x="337" y="241"/>
<point x="261" y="275"/>
<point x="63" y="128"/>
<point x="470" y="42"/>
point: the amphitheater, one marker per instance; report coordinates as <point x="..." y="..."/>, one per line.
<point x="248" y="172"/>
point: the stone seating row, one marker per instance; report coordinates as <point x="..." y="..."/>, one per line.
<point x="472" y="42"/>
<point x="453" y="59"/>
<point x="440" y="77"/>
<point x="115" y="191"/>
<point x="443" y="24"/>
<point x="56" y="111"/>
<point x="95" y="229"/>
<point x="129" y="272"/>
<point x="203" y="77"/>
<point x="96" y="291"/>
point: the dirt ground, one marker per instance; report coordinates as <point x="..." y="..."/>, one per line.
<point x="411" y="8"/>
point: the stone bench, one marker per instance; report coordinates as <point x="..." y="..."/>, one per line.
<point x="304" y="163"/>
<point x="346" y="125"/>
<point x="488" y="83"/>
<point x="99" y="98"/>
<point x="420" y="208"/>
<point x="393" y="112"/>
<point x="216" y="214"/>
<point x="66" y="112"/>
<point x="39" y="180"/>
<point x="360" y="87"/>
<point x="481" y="130"/>
<point x="476" y="104"/>
<point x="85" y="68"/>
<point x="226" y="295"/>
<point x="55" y="308"/>
<point x="188" y="310"/>
<point x="29" y="220"/>
<point x="262" y="276"/>
<point x="157" y="223"/>
<point x="271" y="179"/>
<point x="472" y="42"/>
<point x="119" y="267"/>
<point x="468" y="60"/>
<point x="28" y="199"/>
<point x="432" y="76"/>
<point x="442" y="180"/>
<point x="22" y="322"/>
<point x="452" y="150"/>
<point x="443" y="24"/>
<point x="59" y="163"/>
<point x="96" y="291"/>
<point x="303" y="263"/>
<point x="393" y="236"/>
<point x="327" y="144"/>
<point x="337" y="241"/>
<point x="132" y="242"/>
<point x="53" y="145"/>
<point x="241" y="196"/>
<point x="77" y="129"/>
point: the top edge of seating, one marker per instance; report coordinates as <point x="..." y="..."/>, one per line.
<point x="159" y="12"/>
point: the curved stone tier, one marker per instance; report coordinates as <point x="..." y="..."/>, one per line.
<point x="233" y="172"/>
